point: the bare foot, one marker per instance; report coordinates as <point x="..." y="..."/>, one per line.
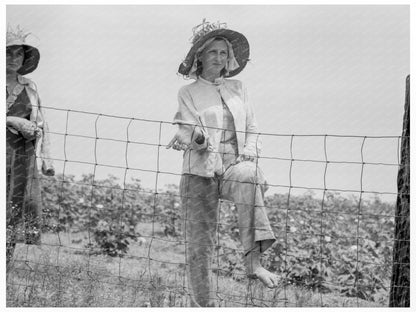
<point x="256" y="270"/>
<point x="267" y="278"/>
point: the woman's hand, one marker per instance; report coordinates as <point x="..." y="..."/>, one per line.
<point x="27" y="128"/>
<point x="177" y="145"/>
<point x="246" y="156"/>
<point x="48" y="169"/>
<point x="184" y="137"/>
<point x="243" y="157"/>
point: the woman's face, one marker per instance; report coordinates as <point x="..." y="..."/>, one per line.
<point x="15" y="56"/>
<point x="214" y="57"/>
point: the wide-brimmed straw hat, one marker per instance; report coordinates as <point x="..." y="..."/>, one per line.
<point x="205" y="31"/>
<point x="18" y="37"/>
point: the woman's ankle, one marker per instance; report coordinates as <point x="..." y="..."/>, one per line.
<point x="252" y="261"/>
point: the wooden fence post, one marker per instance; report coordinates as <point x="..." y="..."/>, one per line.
<point x="400" y="280"/>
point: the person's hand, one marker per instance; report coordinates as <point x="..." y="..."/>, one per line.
<point x="182" y="139"/>
<point x="246" y="156"/>
<point x="176" y="145"/>
<point x="243" y="157"/>
<point x="27" y="128"/>
<point x="48" y="169"/>
<point x="49" y="172"/>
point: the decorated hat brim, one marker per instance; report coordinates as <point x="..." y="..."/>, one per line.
<point x="31" y="60"/>
<point x="238" y="41"/>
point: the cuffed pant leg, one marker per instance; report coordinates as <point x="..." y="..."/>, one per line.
<point x="244" y="184"/>
<point x="200" y="215"/>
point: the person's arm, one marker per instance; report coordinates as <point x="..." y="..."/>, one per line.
<point x="27" y="128"/>
<point x="37" y="116"/>
<point x="47" y="163"/>
<point x="190" y="133"/>
<point x="252" y="147"/>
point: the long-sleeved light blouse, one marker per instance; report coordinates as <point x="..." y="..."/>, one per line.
<point x="37" y="117"/>
<point x="201" y="105"/>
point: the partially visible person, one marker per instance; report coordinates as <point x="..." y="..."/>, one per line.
<point x="219" y="136"/>
<point x="26" y="128"/>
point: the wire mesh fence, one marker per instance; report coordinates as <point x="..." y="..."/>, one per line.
<point x="112" y="224"/>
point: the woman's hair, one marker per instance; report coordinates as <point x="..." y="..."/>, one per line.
<point x="199" y="63"/>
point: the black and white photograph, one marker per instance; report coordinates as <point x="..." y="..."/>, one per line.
<point x="207" y="155"/>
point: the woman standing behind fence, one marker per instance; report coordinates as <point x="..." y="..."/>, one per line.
<point x="25" y="126"/>
<point x="217" y="131"/>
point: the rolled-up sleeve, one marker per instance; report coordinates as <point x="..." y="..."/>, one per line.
<point x="187" y="118"/>
<point x="253" y="142"/>
<point x="38" y="117"/>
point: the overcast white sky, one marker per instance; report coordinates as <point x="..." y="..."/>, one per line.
<point x="314" y="70"/>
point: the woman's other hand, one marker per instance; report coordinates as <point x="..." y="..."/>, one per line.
<point x="27" y="128"/>
<point x="243" y="157"/>
<point x="247" y="155"/>
<point x="48" y="169"/>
